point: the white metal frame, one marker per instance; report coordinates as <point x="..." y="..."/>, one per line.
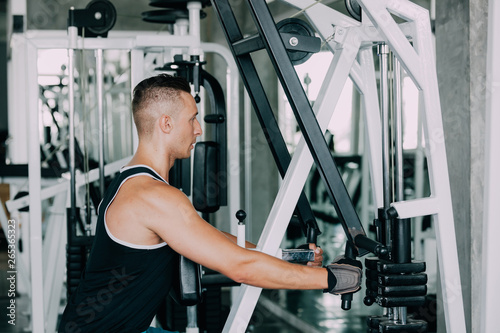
<point x="490" y="291"/>
<point x="26" y="46"/>
<point x="346" y="50"/>
<point x="420" y="64"/>
<point x="346" y="38"/>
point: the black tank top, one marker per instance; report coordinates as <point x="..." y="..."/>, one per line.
<point x="123" y="284"/>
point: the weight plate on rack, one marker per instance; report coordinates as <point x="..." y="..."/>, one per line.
<point x="104" y="12"/>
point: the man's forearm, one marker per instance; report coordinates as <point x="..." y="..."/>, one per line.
<point x="264" y="271"/>
<point x="269" y="272"/>
<point x="233" y="238"/>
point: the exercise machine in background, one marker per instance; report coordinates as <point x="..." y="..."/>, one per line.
<point x="140" y="52"/>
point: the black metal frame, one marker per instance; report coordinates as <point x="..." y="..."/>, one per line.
<point x="261" y="103"/>
<point x="270" y="37"/>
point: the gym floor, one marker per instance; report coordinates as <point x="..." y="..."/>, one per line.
<point x="307" y="311"/>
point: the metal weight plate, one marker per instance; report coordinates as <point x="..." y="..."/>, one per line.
<point x="354" y="9"/>
<point x="388" y="267"/>
<point x="297" y="27"/>
<point x="401" y="279"/>
<point x="412" y="326"/>
<point x="387" y="302"/>
<point x="402" y="291"/>
<point x="102" y="10"/>
<point x="167" y="16"/>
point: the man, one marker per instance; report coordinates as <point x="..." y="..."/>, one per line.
<point x="143" y="221"/>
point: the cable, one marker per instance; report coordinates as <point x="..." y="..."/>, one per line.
<point x="329" y="38"/>
<point x="303" y="10"/>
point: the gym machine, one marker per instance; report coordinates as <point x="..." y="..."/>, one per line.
<point x="401" y="281"/>
<point x="397" y="283"/>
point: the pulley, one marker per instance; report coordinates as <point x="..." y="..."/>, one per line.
<point x="297" y="27"/>
<point x="103" y="15"/>
<point x="354" y="9"/>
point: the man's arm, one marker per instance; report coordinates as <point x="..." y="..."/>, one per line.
<point x="234" y="239"/>
<point x="170" y="215"/>
<point x="318" y="252"/>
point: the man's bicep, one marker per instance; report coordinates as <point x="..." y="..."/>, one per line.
<point x="191" y="236"/>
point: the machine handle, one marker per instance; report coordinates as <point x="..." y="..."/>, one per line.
<point x="379" y="249"/>
<point x="350" y="252"/>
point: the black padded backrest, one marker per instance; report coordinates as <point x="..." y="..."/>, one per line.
<point x="206" y="176"/>
<point x="186" y="287"/>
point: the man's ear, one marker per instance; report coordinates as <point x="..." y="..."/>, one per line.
<point x="166" y="123"/>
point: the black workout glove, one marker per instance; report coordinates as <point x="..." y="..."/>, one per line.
<point x="344" y="276"/>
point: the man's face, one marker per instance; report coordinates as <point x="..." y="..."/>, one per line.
<point x="186" y="127"/>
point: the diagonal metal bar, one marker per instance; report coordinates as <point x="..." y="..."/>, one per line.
<point x="306" y="119"/>
<point x="261" y="105"/>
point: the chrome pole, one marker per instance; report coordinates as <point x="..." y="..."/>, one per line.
<point x="398" y="171"/>
<point x="398" y="131"/>
<point x="73" y="33"/>
<point x="383" y="53"/>
<point x="100" y="114"/>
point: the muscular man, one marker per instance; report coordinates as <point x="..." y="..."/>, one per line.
<point x="143" y="221"/>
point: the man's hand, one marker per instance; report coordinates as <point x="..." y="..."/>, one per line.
<point x="318" y="256"/>
<point x="344" y="276"/>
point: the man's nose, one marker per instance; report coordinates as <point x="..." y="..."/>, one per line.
<point x="197" y="130"/>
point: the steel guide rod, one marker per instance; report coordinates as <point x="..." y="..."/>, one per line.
<point x="100" y="115"/>
<point x="398" y="132"/>
<point x="306" y="119"/>
<point x="401" y="227"/>
<point x="383" y="53"/>
<point x="261" y="105"/>
<point x="72" y="32"/>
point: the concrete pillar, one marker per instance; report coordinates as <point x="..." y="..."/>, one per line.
<point x="461" y="28"/>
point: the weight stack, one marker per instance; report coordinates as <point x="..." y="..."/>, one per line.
<point x="393" y="285"/>
<point x="76" y="259"/>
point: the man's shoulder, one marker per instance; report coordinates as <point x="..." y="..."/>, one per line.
<point x="159" y="203"/>
<point x="147" y="199"/>
<point x="149" y="189"/>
